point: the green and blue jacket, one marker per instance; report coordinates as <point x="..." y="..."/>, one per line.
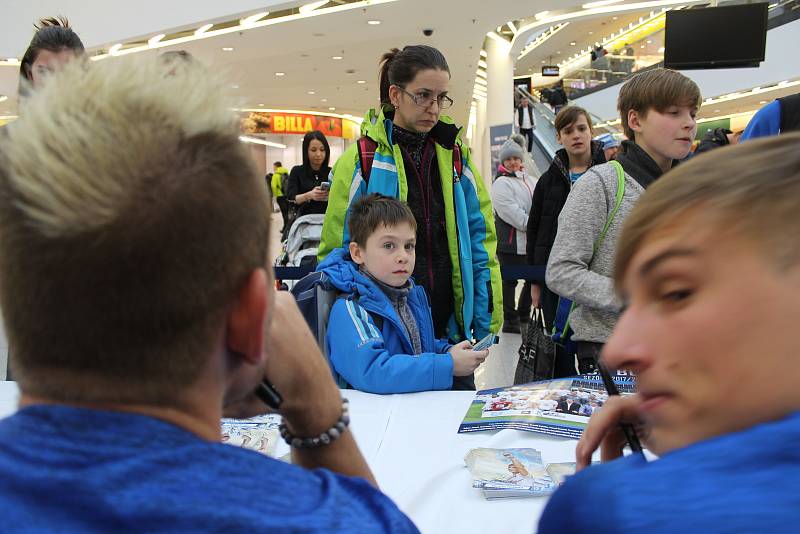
<point x="469" y="222"/>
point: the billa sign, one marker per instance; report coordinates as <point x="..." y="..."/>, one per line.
<point x="258" y="122"/>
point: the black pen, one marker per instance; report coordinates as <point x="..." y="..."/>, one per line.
<point x="627" y="428"/>
<point x="268" y="394"/>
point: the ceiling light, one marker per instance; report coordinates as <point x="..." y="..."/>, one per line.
<point x="762" y="102"/>
<point x="3" y="98"/>
<point x="641" y="46"/>
<point x="280" y="74"/>
<point x="484" y="54"/>
<point x="336" y="57"/>
<point x="649" y="41"/>
<point x="324" y="100"/>
<point x="308" y="8"/>
<point x="114" y="50"/>
<point x="234" y="86"/>
<point x="252" y="19"/>
<point x="481" y="81"/>
<point x="227" y="49"/>
<point x="257" y="141"/>
<point x="154" y="40"/>
<point x="312" y="92"/>
<point x="332" y="108"/>
<point x="483" y="64"/>
<point x="361" y="81"/>
<point x="373" y="22"/>
<point x="661" y="50"/>
<point x="601" y="3"/>
<point x="572" y="43"/>
<point x="614" y="18"/>
<point x="481" y="73"/>
<point x="261" y="105"/>
<point x="716" y="111"/>
<point x="541" y="15"/>
<point x="203" y="29"/>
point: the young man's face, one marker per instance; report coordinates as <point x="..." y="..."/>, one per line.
<point x="665" y="136"/>
<point x="576" y="137"/>
<point x="709" y="331"/>
<point x="513" y="164"/>
<point x="389" y="254"/>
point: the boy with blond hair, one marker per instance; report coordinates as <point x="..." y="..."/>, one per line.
<point x="657" y="109"/>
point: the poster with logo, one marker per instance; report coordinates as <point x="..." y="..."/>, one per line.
<point x="263" y="122"/>
<point x="497" y="136"/>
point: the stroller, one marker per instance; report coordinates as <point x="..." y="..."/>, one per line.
<point x="300" y="247"/>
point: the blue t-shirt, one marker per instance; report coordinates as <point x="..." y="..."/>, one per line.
<point x="766" y="122"/>
<point x="65" y="469"/>
<point x="573" y="176"/>
<point x="743" y="482"/>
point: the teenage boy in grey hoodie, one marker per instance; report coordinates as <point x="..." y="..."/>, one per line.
<point x="657" y="109"/>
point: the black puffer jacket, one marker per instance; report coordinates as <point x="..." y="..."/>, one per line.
<point x="548" y="199"/>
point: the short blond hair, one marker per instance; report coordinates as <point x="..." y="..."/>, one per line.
<point x="656" y="89"/>
<point x="130" y="215"/>
<point x="752" y="189"/>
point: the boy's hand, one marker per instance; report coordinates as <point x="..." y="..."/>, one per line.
<point x="466" y="360"/>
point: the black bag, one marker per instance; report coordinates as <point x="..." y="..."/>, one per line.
<point x="537" y="354"/>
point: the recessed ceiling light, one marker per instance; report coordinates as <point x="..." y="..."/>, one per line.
<point x="311" y="92"/>
<point x="336" y="57"/>
<point x="280" y="74"/>
<point x="649" y="41"/>
<point x="227" y="49"/>
<point x="324" y="100"/>
<point x="614" y="18"/>
<point x="261" y="105"/>
<point x="763" y="102"/>
<point x="332" y="109"/>
<point x="361" y="81"/>
<point x="373" y="22"/>
<point x="572" y="43"/>
<point x="716" y="111"/>
<point x="234" y="86"/>
<point x="591" y="33"/>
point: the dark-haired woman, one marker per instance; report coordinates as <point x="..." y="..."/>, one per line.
<point x="414" y="147"/>
<point x="53" y="45"/>
<point x="304" y="184"/>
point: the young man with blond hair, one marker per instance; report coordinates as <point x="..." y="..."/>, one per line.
<point x="139" y="308"/>
<point x="657" y="109"/>
<point x="708" y="265"/>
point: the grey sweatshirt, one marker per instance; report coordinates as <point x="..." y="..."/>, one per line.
<point x="571" y="270"/>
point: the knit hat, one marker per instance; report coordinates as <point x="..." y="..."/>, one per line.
<point x="608" y="140"/>
<point x="510" y="149"/>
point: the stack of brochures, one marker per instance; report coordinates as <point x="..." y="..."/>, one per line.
<point x="560" y="407"/>
<point x="259" y="434"/>
<point x="505" y="473"/>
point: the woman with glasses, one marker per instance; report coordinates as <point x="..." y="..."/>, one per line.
<point x="409" y="150"/>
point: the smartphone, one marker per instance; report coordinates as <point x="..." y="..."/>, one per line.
<point x="484" y="343"/>
<point x="325" y="186"/>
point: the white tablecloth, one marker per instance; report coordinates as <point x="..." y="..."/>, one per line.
<point x="412" y="445"/>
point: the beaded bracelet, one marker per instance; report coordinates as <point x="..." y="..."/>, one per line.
<point x="326" y="438"/>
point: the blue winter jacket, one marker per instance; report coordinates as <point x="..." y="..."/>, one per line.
<point x="380" y="360"/>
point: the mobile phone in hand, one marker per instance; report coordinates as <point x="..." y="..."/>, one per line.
<point x="484" y="343"/>
<point x="325" y="186"/>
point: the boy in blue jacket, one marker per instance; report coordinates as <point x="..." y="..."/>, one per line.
<point x="380" y="332"/>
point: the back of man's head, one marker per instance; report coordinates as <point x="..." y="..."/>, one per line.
<point x="130" y="214"/>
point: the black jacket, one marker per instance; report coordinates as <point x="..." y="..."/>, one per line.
<point x="548" y="200"/>
<point x="713" y="139"/>
<point x="303" y="180"/>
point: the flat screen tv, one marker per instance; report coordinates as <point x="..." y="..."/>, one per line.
<point x="550" y="70"/>
<point x="716" y="37"/>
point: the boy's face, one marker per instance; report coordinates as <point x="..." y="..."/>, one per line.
<point x="513" y="164"/>
<point x="576" y="138"/>
<point x="389" y="254"/>
<point x="709" y="331"/>
<point x="665" y="135"/>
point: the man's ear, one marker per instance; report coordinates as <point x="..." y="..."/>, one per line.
<point x="355" y="253"/>
<point x="245" y="322"/>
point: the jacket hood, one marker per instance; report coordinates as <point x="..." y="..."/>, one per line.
<point x="560" y="162"/>
<point x="377" y="125"/>
<point x="345" y="276"/>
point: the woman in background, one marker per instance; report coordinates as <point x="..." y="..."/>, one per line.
<point x="305" y="186"/>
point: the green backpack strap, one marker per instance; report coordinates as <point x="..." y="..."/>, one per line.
<point x="617" y="204"/>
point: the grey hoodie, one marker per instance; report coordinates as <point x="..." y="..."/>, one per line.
<point x="572" y="272"/>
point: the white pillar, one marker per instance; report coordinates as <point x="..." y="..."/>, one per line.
<point x="500" y="89"/>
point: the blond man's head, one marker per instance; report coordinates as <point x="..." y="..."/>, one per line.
<point x="129" y="216"/>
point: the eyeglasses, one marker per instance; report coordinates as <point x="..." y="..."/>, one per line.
<point x="424" y="99"/>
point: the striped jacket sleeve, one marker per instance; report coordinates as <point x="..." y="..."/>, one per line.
<point x="358" y="354"/>
<point x="346" y="187"/>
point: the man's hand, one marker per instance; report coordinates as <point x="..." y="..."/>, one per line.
<point x="466" y="360"/>
<point x="603" y="430"/>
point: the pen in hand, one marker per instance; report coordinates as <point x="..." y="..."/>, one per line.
<point x="627" y="428"/>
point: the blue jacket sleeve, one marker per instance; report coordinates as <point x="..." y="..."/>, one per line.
<point x="488" y="303"/>
<point x="766" y="122"/>
<point x="441" y="346"/>
<point x="358" y="353"/>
